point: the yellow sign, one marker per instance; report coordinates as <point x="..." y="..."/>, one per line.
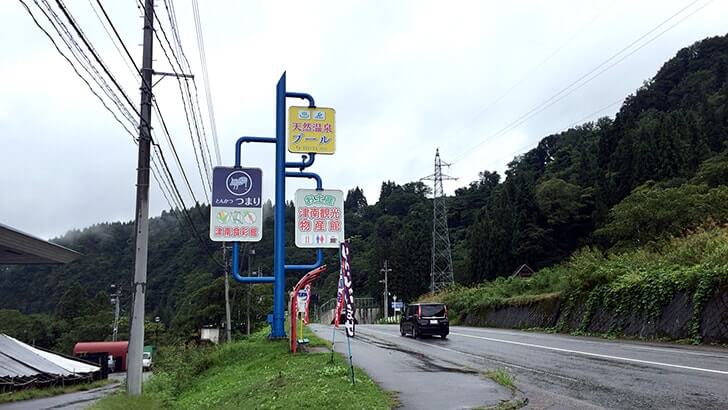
<point x="311" y="130"/>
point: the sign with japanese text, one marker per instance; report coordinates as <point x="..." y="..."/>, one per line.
<point x="302" y="301"/>
<point x="348" y="290"/>
<point x="319" y="218"/>
<point x="236" y="207"/>
<point x="311" y="130"/>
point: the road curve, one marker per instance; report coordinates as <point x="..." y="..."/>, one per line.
<point x="557" y="371"/>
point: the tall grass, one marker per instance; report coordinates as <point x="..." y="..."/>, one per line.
<point x="646" y="276"/>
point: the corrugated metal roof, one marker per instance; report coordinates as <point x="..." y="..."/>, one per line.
<point x="18" y="359"/>
<point x="19" y="248"/>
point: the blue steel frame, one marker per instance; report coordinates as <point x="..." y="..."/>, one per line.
<point x="279" y="249"/>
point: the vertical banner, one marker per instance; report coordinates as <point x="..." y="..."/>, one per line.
<point x="339" y="296"/>
<point x="306" y="319"/>
<point x="348" y="291"/>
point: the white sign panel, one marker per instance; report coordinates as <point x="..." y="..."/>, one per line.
<point x="302" y="299"/>
<point x="319" y="218"/>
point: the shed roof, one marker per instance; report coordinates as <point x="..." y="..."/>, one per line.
<point x="20" y="248"/>
<point x="18" y="359"/>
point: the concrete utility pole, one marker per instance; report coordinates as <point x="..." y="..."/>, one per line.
<point x="386" y="270"/>
<point x="228" y="328"/>
<point x="141" y="233"/>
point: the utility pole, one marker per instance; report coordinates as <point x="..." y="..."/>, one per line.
<point x="141" y="233"/>
<point x="386" y="270"/>
<point x="228" y="329"/>
<point x="250" y="285"/>
<point x="115" y="294"/>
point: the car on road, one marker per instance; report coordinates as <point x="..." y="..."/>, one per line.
<point x="425" y="319"/>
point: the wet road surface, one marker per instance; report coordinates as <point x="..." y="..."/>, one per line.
<point x="422" y="381"/>
<point x="72" y="401"/>
<point x="563" y="372"/>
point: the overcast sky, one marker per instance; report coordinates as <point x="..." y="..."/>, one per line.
<point x="405" y="77"/>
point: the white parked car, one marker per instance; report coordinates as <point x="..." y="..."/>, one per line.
<point x="147" y="361"/>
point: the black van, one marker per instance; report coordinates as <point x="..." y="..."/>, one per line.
<point x="422" y="319"/>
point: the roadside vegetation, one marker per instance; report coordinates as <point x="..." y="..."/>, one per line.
<point x="39" y="393"/>
<point x="502" y="377"/>
<point x="641" y="280"/>
<point x="254" y="373"/>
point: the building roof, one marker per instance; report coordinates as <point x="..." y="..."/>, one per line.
<point x="523" y="271"/>
<point x="18" y="359"/>
<point x="19" y="248"/>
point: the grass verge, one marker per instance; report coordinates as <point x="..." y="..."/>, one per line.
<point x="253" y="374"/>
<point x="502" y="377"/>
<point x="39" y="393"/>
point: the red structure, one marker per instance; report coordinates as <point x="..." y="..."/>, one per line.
<point x="307" y="279"/>
<point x="116" y="349"/>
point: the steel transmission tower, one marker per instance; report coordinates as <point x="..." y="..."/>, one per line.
<point x="441" y="269"/>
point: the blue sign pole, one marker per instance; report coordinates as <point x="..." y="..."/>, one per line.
<point x="279" y="232"/>
<point x="279" y="246"/>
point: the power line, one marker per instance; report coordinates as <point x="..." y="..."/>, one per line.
<point x="200" y="167"/>
<point x="189" y="123"/>
<point x="529" y="74"/>
<point x="78" y="53"/>
<point x="156" y="106"/>
<point x="75" y="70"/>
<point x="206" y="79"/>
<point x="174" y="149"/>
<point x="80" y="33"/>
<point x="172" y="16"/>
<point x="116" y="33"/>
<point x="173" y="191"/>
<point x="568" y="89"/>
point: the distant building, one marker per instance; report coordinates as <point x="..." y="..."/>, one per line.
<point x="210" y="333"/>
<point x="523" y="271"/>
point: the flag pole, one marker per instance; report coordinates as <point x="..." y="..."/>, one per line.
<point x="351" y="362"/>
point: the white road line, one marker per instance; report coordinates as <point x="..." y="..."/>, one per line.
<point x="676" y="350"/>
<point x="603" y="356"/>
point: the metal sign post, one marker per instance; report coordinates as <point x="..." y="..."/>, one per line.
<point x="279" y="250"/>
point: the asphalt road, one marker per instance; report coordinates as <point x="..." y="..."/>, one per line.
<point x="72" y="401"/>
<point x="563" y="372"/>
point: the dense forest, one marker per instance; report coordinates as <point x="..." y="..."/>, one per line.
<point x="659" y="168"/>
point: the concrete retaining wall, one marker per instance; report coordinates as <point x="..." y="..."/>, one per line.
<point x="673" y="322"/>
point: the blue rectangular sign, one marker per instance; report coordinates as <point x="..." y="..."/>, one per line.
<point x="237" y="187"/>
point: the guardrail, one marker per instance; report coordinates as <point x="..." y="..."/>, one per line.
<point x="359" y="303"/>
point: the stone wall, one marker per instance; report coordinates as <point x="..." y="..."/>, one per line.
<point x="551" y="312"/>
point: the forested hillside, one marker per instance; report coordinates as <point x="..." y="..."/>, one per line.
<point x="658" y="169"/>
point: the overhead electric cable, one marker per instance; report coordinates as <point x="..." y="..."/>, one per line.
<point x="84" y="61"/>
<point x="206" y="79"/>
<point x="75" y="70"/>
<point x="529" y="74"/>
<point x="200" y="167"/>
<point x="80" y="33"/>
<point x="172" y="16"/>
<point x="116" y="33"/>
<point x="568" y="89"/>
